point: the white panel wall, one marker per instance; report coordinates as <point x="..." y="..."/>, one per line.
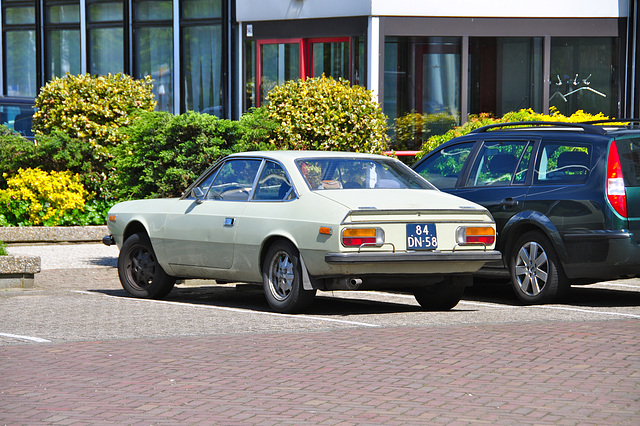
<point x="261" y="10"/>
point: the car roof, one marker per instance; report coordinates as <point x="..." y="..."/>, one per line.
<point x="290" y="155"/>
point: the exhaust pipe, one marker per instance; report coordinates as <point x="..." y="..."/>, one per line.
<point x="355" y="283"/>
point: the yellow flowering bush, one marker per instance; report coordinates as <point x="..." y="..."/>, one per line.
<point x="328" y="115"/>
<point x="91" y="108"/>
<point x="476" y="121"/>
<point x="36" y="197"/>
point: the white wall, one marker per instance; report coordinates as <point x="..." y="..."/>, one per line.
<point x="260" y="10"/>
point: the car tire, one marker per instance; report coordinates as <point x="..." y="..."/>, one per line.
<point x="140" y="273"/>
<point x="536" y="274"/>
<point x="282" y="279"/>
<point x="443" y="296"/>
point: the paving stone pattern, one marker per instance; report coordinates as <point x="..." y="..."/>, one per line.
<point x="534" y="373"/>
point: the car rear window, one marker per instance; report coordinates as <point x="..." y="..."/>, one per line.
<point x="563" y="163"/>
<point x="629" y="152"/>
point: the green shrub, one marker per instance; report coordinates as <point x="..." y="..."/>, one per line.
<point x="477" y="121"/>
<point x="163" y="153"/>
<point x="3" y="249"/>
<point x="55" y="152"/>
<point x="36" y="197"/>
<point x="91" y="108"/>
<point x="325" y="114"/>
<point x="256" y="132"/>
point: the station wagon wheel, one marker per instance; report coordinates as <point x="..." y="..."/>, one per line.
<point x="443" y="296"/>
<point x="140" y="273"/>
<point x="282" y="279"/>
<point x="536" y="276"/>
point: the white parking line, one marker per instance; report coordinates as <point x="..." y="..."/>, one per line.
<point x="222" y="308"/>
<point x="32" y="339"/>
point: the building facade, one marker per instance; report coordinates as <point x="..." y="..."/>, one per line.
<point x="183" y="45"/>
<point x="222" y="56"/>
<point x="456" y="57"/>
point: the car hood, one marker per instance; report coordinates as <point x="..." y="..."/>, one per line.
<point x="399" y="199"/>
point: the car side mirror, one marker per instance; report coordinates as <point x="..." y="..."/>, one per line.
<point x="198" y="193"/>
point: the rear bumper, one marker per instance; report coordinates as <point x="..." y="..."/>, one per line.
<point x="411" y="257"/>
<point x="600" y="255"/>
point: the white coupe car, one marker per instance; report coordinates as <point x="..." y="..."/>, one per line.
<point x="301" y="221"/>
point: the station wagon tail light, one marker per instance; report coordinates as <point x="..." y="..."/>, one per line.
<point x="616" y="192"/>
<point x="355" y="237"/>
<point x="475" y="235"/>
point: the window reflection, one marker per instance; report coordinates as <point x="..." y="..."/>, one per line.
<point x="202" y="69"/>
<point x="106" y="37"/>
<point x="583" y="75"/>
<point x="279" y="62"/>
<point x="505" y="74"/>
<point x="62" y="39"/>
<point x="153" y="48"/>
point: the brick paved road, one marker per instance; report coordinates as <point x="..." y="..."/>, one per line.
<point x="561" y="373"/>
<point x="112" y="359"/>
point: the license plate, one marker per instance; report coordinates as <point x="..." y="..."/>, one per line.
<point x="422" y="236"/>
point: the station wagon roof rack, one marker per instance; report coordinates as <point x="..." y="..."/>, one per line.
<point x="628" y="123"/>
<point x="587" y="128"/>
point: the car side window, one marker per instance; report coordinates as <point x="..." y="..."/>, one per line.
<point x="497" y="162"/>
<point x="443" y="167"/>
<point x="563" y="163"/>
<point x="273" y="185"/>
<point x="234" y="180"/>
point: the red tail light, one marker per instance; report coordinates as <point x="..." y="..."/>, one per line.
<point x="616" y="192"/>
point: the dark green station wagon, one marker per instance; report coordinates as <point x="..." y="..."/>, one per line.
<point x="565" y="198"/>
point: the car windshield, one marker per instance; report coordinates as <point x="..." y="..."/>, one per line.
<point x="359" y="173"/>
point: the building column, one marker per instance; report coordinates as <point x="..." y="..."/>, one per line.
<point x="373" y="57"/>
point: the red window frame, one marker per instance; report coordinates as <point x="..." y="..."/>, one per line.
<point x="260" y="43"/>
<point x="305" y="56"/>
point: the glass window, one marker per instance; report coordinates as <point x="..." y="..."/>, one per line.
<point x="105" y="11"/>
<point x="496" y="163"/>
<point x="106" y="37"/>
<point x="152" y="10"/>
<point x="443" y="168"/>
<point x="20" y="65"/>
<point x="629" y="152"/>
<point x="62" y="39"/>
<point x="20" y="15"/>
<point x="153" y="48"/>
<point x="106" y="52"/>
<point x="63" y="13"/>
<point x="202" y="69"/>
<point x="505" y="74"/>
<point x="559" y="163"/>
<point x="19" y="48"/>
<point x="330" y="59"/>
<point x="234" y="180"/>
<point x="273" y="184"/>
<point x="201" y="9"/>
<point x="584" y="75"/>
<point x="279" y="62"/>
<point x="250" y="75"/>
<point x="422" y="83"/>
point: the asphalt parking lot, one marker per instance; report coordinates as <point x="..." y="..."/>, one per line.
<point x="76" y="348"/>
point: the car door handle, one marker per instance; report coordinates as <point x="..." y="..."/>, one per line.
<point x="509" y="202"/>
<point x="229" y="221"/>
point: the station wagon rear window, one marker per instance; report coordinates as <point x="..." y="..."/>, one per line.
<point x="563" y="163"/>
<point x="629" y="152"/>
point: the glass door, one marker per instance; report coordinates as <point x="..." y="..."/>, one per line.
<point x="278" y="61"/>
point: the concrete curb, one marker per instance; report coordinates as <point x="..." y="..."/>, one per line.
<point x="18" y="271"/>
<point x="52" y="234"/>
